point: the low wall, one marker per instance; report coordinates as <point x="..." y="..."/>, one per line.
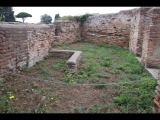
<point x="23" y="45"/>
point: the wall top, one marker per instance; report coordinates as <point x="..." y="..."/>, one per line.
<point x="22" y="25"/>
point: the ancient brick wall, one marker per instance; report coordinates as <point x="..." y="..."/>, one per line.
<point x="137" y="30"/>
<point x="23" y="44"/>
<point x="113" y="29"/>
<point x="151" y="40"/>
<point x="67" y="31"/>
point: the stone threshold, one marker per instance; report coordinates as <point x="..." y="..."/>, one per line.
<point x="154" y="72"/>
<point x="73" y="61"/>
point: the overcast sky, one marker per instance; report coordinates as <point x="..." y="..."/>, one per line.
<point x="36" y="12"/>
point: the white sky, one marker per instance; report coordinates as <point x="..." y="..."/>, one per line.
<point x="36" y="12"/>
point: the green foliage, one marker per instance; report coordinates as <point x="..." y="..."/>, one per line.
<point x="76" y="17"/>
<point x="68" y="78"/>
<point x="122" y="99"/>
<point x="7" y="14"/>
<point x="102" y="76"/>
<point x="27" y="69"/>
<point x="106" y="63"/>
<point x="46" y="57"/>
<point x="57" y="16"/>
<point x="23" y="15"/>
<point x="4" y="104"/>
<point x="59" y="66"/>
<point x="45" y="72"/>
<point x="46" y="19"/>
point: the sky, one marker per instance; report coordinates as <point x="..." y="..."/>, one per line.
<point x="36" y="12"/>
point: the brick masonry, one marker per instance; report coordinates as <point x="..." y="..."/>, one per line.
<point x="137" y="30"/>
<point x="112" y="29"/>
<point x="23" y="45"/>
<point x="151" y="39"/>
<point x="67" y="31"/>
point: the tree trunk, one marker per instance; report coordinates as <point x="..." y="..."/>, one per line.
<point x="23" y="20"/>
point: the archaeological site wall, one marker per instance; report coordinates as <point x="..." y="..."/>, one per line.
<point x="112" y="29"/>
<point x="136" y="29"/>
<point x="23" y="45"/>
<point x="151" y="40"/>
<point x="67" y="31"/>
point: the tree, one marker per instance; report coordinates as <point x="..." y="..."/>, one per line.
<point x="46" y="19"/>
<point x="23" y="15"/>
<point x="7" y="14"/>
<point x="56" y="16"/>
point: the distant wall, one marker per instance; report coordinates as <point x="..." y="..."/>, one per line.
<point x="67" y="31"/>
<point x="23" y="44"/>
<point x="112" y="29"/>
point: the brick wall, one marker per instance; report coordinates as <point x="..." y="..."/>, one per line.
<point x="137" y="30"/>
<point x="67" y="31"/>
<point x="23" y="44"/>
<point x="151" y="40"/>
<point x="113" y="29"/>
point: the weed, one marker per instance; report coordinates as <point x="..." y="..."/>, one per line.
<point x="102" y="76"/>
<point x="45" y="72"/>
<point x="46" y="57"/>
<point x="106" y="63"/>
<point x="122" y="99"/>
<point x="27" y="69"/>
<point x="95" y="108"/>
<point x="68" y="78"/>
<point x="56" y="66"/>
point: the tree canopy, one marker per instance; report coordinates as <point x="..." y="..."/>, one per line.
<point x="7" y="14"/>
<point x="46" y="19"/>
<point x="56" y="16"/>
<point x="23" y="15"/>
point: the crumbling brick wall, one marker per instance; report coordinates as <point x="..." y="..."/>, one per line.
<point x="113" y="29"/>
<point x="67" y="31"/>
<point x="23" y="44"/>
<point x="151" y="40"/>
<point x="137" y="30"/>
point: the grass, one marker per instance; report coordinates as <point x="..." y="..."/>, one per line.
<point x="100" y="64"/>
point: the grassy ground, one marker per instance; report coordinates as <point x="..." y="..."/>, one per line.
<point x="100" y="64"/>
